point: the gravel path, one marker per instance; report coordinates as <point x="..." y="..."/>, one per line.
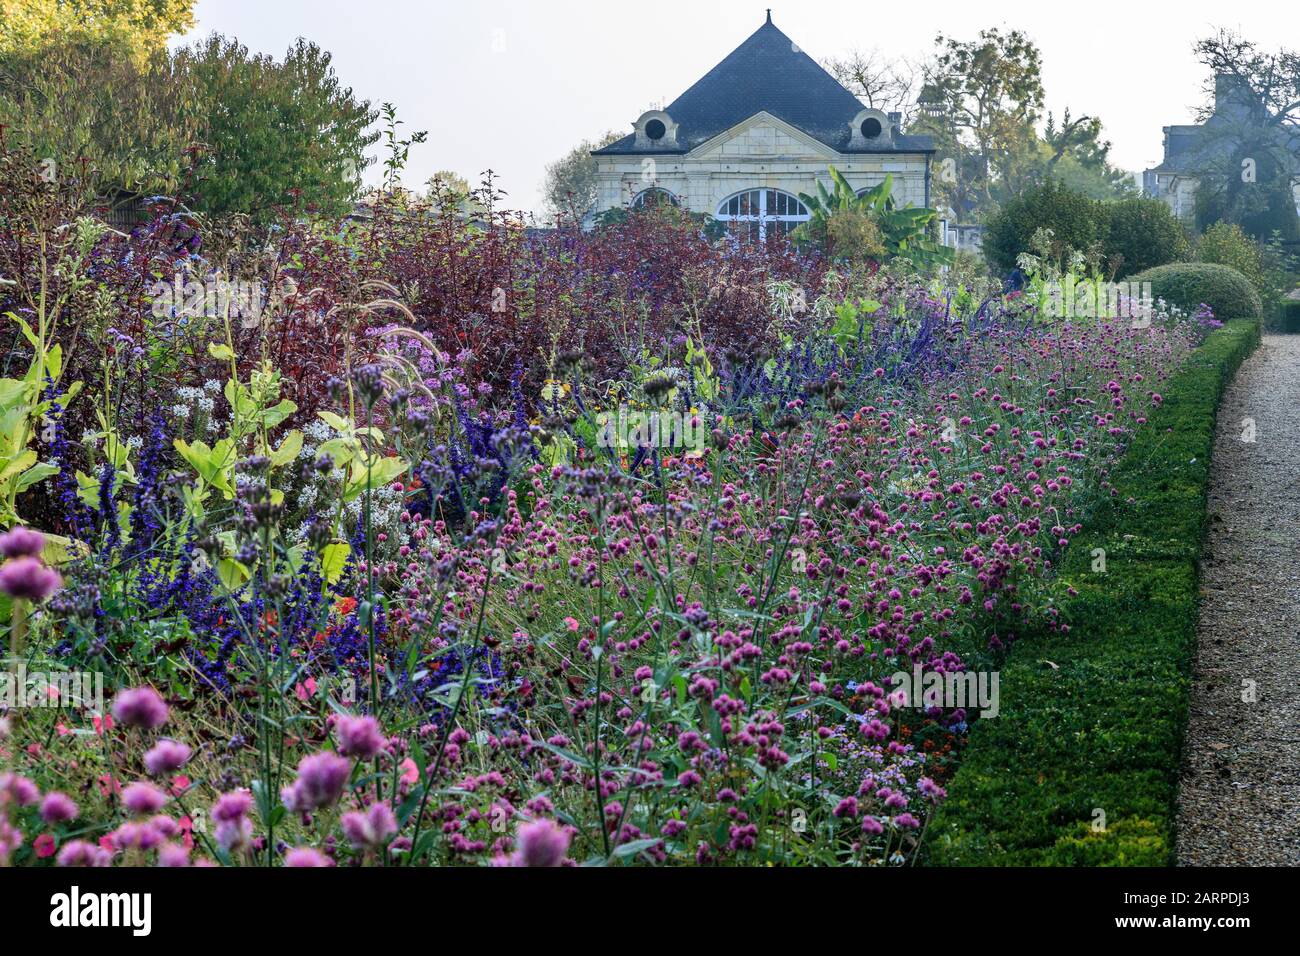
<point x="1240" y="790"/>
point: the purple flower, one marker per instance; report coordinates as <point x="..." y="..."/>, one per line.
<point x="372" y="829"/>
<point x="232" y="806"/>
<point x="321" y="778"/>
<point x="58" y="808"/>
<point x="21" y="542"/>
<point x="26" y="578"/>
<point x="165" y="757"/>
<point x="173" y="855"/>
<point x="143" y="798"/>
<point x="132" y="834"/>
<point x="306" y="856"/>
<point x="233" y="834"/>
<point x="11" y="838"/>
<point x="359" y="736"/>
<point x="541" y="843"/>
<point x="18" y="790"/>
<point x="140" y="707"/>
<point x="82" y="853"/>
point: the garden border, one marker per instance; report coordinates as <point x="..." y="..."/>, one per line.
<point x="1093" y="719"/>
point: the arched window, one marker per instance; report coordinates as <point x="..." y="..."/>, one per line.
<point x="654" y="196"/>
<point x="759" y="213"/>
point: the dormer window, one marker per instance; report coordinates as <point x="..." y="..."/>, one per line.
<point x="656" y="130"/>
<point x="871" y="129"/>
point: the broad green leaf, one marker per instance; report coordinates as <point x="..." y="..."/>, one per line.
<point x="233" y="574"/>
<point x="336" y="422"/>
<point x="288" y="449"/>
<point x="38" y="472"/>
<point x="333" y="559"/>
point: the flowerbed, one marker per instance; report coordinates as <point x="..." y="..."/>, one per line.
<point x="403" y="604"/>
<point x="1084" y="769"/>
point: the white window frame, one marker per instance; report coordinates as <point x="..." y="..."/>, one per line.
<point x="638" y="201"/>
<point x="763" y="217"/>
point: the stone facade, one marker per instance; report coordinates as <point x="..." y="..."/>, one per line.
<point x="763" y="152"/>
<point x="767" y="117"/>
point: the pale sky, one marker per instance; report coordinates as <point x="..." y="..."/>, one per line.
<point x="512" y="85"/>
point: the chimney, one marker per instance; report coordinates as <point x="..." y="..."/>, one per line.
<point x="1233" y="96"/>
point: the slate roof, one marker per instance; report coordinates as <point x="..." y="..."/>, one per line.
<point x="767" y="72"/>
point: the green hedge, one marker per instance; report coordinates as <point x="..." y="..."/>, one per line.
<point x="1188" y="284"/>
<point x="1290" y="313"/>
<point x="1094" y="719"/>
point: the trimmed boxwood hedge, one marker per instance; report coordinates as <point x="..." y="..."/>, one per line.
<point x="1290" y="313"/>
<point x="1094" y="718"/>
<point x="1188" y="284"/>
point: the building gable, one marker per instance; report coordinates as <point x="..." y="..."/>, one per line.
<point x="763" y="137"/>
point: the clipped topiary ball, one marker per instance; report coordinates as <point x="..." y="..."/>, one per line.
<point x="1188" y="284"/>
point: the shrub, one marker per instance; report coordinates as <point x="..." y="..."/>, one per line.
<point x="1076" y="222"/>
<point x="1142" y="234"/>
<point x="1290" y="315"/>
<point x="1225" y="244"/>
<point x="1187" y="285"/>
<point x="1101" y="725"/>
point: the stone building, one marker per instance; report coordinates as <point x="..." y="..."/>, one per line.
<point x="1191" y="150"/>
<point x="758" y="129"/>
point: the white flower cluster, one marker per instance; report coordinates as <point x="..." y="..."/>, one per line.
<point x="385" y="514"/>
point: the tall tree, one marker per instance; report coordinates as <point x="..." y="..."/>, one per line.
<point x="1250" y="152"/>
<point x="82" y="99"/>
<point x="570" y="186"/>
<point x="881" y="82"/>
<point x="276" y="133"/>
<point x="981" y="99"/>
<point x="140" y="27"/>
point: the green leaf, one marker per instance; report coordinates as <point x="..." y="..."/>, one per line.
<point x="221" y="351"/>
<point x="333" y="558"/>
<point x="38" y="472"/>
<point x="336" y="422"/>
<point x="288" y="449"/>
<point x="233" y="574"/>
<point x="278" y="413"/>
